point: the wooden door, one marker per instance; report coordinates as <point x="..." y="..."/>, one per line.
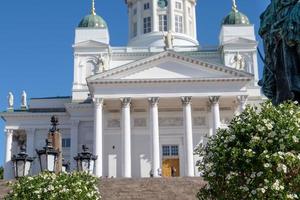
<point x="167" y="167"/>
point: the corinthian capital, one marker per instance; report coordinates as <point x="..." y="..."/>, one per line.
<point x="125" y="101"/>
<point x="186" y="100"/>
<point x="214" y="99"/>
<point x="153" y="101"/>
<point x="98" y="101"/>
<point x="242" y="99"/>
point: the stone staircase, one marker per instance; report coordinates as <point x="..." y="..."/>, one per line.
<point x="151" y="188"/>
<point x="4" y="189"/>
<point x="142" y="188"/>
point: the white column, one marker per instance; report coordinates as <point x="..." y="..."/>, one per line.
<point x="189" y="147"/>
<point x="98" y="136"/>
<point x="154" y="16"/>
<point x="215" y="111"/>
<point x="126" y="137"/>
<point x="242" y="100"/>
<point x="139" y="18"/>
<point x="8" y="166"/>
<point x="186" y="18"/>
<point x="171" y="16"/>
<point x="194" y="20"/>
<point x="154" y="127"/>
<point x="74" y="143"/>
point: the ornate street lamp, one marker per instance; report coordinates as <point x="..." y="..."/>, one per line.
<point x="85" y="160"/>
<point x="65" y="166"/>
<point x="22" y="163"/>
<point x="47" y="157"/>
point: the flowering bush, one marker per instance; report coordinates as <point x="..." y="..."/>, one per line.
<point x="257" y="157"/>
<point x="49" y="186"/>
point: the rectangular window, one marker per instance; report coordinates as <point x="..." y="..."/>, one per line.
<point x="163" y="23"/>
<point x="178" y="24"/>
<point x="147" y="24"/>
<point x="166" y="150"/>
<point x="174" y="150"/>
<point x="170" y="150"/>
<point x="146" y="6"/>
<point x="134" y="11"/>
<point x="178" y="5"/>
<point x="134" y="29"/>
<point x="66" y="142"/>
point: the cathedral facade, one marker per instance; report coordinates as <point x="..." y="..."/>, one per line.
<point x="143" y="108"/>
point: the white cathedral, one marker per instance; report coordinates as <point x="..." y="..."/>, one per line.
<point x="144" y="108"/>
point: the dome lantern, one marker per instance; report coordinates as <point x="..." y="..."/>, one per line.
<point x="235" y="17"/>
<point x="93" y="20"/>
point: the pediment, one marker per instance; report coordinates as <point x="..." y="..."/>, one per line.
<point x="240" y="41"/>
<point x="90" y="44"/>
<point x="169" y="65"/>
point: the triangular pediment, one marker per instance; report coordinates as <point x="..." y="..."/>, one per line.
<point x="90" y="44"/>
<point x="241" y="41"/>
<point x="169" y="65"/>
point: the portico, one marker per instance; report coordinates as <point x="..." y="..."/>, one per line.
<point x="157" y="108"/>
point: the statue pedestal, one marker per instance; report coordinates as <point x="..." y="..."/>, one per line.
<point x="10" y="109"/>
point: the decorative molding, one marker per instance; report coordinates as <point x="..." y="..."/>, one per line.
<point x="98" y="102"/>
<point x="8" y="131"/>
<point x="176" y="56"/>
<point x="113" y="123"/>
<point x="140" y="122"/>
<point x="186" y="100"/>
<point x="191" y="80"/>
<point x="125" y="101"/>
<point x="242" y="99"/>
<point x="214" y="99"/>
<point x="170" y="121"/>
<point x="199" y="121"/>
<point x="153" y="101"/>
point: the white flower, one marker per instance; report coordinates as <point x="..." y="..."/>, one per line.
<point x="269" y="126"/>
<point x="277" y="186"/>
<point x="259" y="174"/>
<point x="267" y="165"/>
<point x="295" y="139"/>
<point x="282" y="168"/>
<point x="253" y="175"/>
<point x="253" y="192"/>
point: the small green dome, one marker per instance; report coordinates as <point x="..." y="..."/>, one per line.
<point x="235" y="17"/>
<point x="92" y="21"/>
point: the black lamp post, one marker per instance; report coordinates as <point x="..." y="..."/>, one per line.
<point x="65" y="166"/>
<point x="85" y="160"/>
<point x="47" y="157"/>
<point x="22" y="163"/>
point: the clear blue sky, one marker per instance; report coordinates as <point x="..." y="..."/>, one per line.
<point x="36" y="38"/>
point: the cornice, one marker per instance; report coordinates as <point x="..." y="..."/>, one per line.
<point x="134" y="81"/>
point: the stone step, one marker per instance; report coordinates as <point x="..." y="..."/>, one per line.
<point x="4" y="189"/>
<point x="151" y="188"/>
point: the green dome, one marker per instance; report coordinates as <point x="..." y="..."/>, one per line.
<point x="92" y="21"/>
<point x="235" y="17"/>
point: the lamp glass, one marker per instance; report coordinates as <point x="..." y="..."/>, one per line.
<point x="43" y="158"/>
<point x="51" y="163"/>
<point x="20" y="168"/>
<point x="85" y="165"/>
<point x="91" y="169"/>
<point x="27" y="168"/>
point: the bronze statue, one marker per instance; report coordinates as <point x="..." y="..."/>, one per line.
<point x="280" y="31"/>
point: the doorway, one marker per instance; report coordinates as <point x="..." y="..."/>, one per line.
<point x="170" y="161"/>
